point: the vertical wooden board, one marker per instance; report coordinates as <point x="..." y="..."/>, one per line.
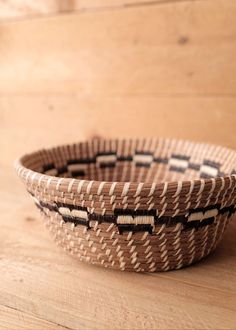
<point x="133" y="51"/>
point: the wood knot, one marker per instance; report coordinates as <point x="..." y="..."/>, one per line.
<point x="183" y="40"/>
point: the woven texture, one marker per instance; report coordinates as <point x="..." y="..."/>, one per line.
<point x="137" y="205"/>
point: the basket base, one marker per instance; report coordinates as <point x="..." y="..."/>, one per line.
<point x="167" y="248"/>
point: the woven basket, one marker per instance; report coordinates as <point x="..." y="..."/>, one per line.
<point x="137" y="205"/>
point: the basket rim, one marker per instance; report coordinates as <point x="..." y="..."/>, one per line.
<point x="51" y="181"/>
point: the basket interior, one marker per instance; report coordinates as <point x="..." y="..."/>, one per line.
<point x="144" y="160"/>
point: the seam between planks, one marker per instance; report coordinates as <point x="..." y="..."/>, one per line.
<point x="97" y="9"/>
<point x="186" y="282"/>
<point x="35" y="316"/>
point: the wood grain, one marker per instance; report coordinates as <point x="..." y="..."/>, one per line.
<point x="15" y="319"/>
<point x="27" y="9"/>
<point x="114" y="68"/>
<point x="51" y="120"/>
<point x="131" y="52"/>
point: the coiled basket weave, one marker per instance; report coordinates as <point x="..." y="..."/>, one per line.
<point x="137" y="205"/>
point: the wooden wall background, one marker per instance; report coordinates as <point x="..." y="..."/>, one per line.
<point x="70" y="70"/>
<point x="74" y="69"/>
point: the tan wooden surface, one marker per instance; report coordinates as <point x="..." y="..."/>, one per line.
<point x="143" y="70"/>
<point x="27" y="9"/>
<point x="173" y="50"/>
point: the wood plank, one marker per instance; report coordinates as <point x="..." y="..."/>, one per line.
<point x="109" y="4"/>
<point x="128" y="52"/>
<point x="51" y="120"/>
<point x="12" y="9"/>
<point x="13" y="319"/>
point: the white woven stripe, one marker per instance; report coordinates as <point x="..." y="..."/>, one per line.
<point x="64" y="211"/>
<point x="106" y="159"/>
<point x="49" y="182"/>
<point x="213" y="182"/>
<point x="137" y="220"/>
<point x="125" y="189"/>
<point x="70" y="185"/>
<point x="79" y="214"/>
<point x="178" y="163"/>
<point x="113" y="186"/>
<point x="202" y="185"/>
<point x="80" y="185"/>
<point x="52" y="172"/>
<point x="153" y="186"/>
<point x="178" y="190"/>
<point x="210" y="213"/>
<point x="145" y="159"/>
<point x="59" y="183"/>
<point x="139" y="189"/>
<point x="100" y="187"/>
<point x="209" y="170"/>
<point x="197" y="216"/>
<point x="76" y="167"/>
<point x="89" y="187"/>
<point x="164" y="189"/>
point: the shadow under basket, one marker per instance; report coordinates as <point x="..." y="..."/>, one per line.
<point x="136" y="205"/>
